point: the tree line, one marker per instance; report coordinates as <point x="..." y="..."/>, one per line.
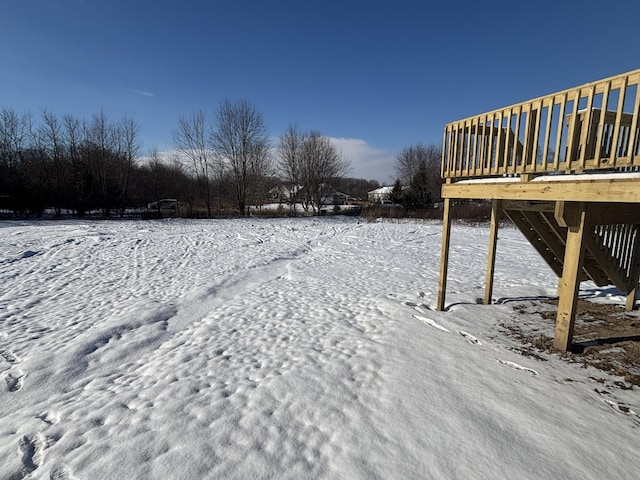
<point x="65" y="162"/>
<point x="223" y="162"/>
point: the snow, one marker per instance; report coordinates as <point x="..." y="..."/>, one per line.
<point x="288" y="348"/>
<point x="558" y="177"/>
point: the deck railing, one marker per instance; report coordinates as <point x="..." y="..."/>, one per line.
<point x="562" y="132"/>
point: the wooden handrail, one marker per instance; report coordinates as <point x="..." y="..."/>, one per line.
<point x="545" y="135"/>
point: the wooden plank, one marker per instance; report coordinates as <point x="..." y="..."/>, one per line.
<point x="474" y="150"/>
<point x="608" y="191"/>
<point x="490" y="150"/>
<point x="498" y="148"/>
<point x="529" y="205"/>
<point x="531" y="146"/>
<point x="482" y="144"/>
<point x="466" y="162"/>
<point x="516" y="141"/>
<point x="507" y="141"/>
<point x="586" y="128"/>
<point x="444" y="254"/>
<point x="600" y="139"/>
<point x="630" y="303"/>
<point x="444" y="155"/>
<point x="565" y="213"/>
<point x="491" y="257"/>
<point x="632" y="150"/>
<point x="571" y="133"/>
<point x="558" y="145"/>
<point x="547" y="136"/>
<point x="454" y="157"/>
<point x="616" y="128"/>
<point x="569" y="282"/>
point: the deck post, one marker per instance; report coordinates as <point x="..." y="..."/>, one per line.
<point x="444" y="253"/>
<point x="631" y="297"/>
<point x="573" y="215"/>
<point x="491" y="257"/>
<point x="634" y="274"/>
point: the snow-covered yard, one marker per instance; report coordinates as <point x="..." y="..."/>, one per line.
<point x="287" y="349"/>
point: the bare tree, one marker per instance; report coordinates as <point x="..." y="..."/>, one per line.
<point x="13" y="133"/>
<point x="54" y="165"/>
<point x="290" y="146"/>
<point x="185" y="184"/>
<point x="320" y="162"/>
<point x="409" y="160"/>
<point x="98" y="150"/>
<point x="79" y="178"/>
<point x="37" y="169"/>
<point x="420" y="162"/>
<point x="191" y="140"/>
<point x="128" y="149"/>
<point x="240" y="138"/>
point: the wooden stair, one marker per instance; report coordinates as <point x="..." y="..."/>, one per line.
<point x="610" y="250"/>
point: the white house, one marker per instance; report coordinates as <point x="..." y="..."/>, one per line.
<point x="284" y="192"/>
<point x="379" y="194"/>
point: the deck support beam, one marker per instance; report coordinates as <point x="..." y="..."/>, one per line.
<point x="491" y="258"/>
<point x="573" y="215"/>
<point x="631" y="298"/>
<point x="634" y="276"/>
<point x="444" y="253"/>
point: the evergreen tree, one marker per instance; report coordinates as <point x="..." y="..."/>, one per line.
<point x="396" y="195"/>
<point x="420" y="196"/>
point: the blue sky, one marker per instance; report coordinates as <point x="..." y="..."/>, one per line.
<point x="378" y="76"/>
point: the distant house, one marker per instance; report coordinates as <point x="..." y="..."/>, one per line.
<point x="331" y="196"/>
<point x="379" y="194"/>
<point x="383" y="194"/>
<point x="284" y="192"/>
<point x="334" y="198"/>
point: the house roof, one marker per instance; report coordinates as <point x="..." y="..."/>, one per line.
<point x="382" y="190"/>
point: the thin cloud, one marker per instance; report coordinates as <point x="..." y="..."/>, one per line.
<point x="142" y="92"/>
<point x="366" y="161"/>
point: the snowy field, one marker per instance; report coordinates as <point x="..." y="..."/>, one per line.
<point x="287" y="349"/>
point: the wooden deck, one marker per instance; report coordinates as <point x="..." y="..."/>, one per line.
<point x="567" y="175"/>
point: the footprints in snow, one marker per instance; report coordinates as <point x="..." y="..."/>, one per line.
<point x="620" y="407"/>
<point x="623" y="409"/>
<point x="470" y="338"/>
<point x="9" y="356"/>
<point x="433" y="323"/>
<point x="517" y="366"/>
<point x="31" y="449"/>
<point x="49" y="418"/>
<point x="15" y="378"/>
<point x="60" y="472"/>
